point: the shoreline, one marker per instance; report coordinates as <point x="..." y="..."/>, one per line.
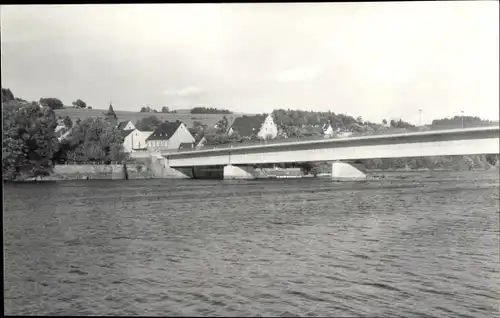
<point x="375" y="174"/>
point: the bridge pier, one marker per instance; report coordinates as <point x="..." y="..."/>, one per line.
<point x="342" y="171"/>
<point x="161" y="170"/>
<point x="238" y="172"/>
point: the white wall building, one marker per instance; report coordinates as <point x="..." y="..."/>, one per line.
<point x="126" y="125"/>
<point x="262" y="126"/>
<point x="135" y="140"/>
<point x="169" y="136"/>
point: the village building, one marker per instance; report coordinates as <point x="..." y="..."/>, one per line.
<point x="169" y="135"/>
<point x="126" y="125"/>
<point x="262" y="126"/>
<point x="343" y="133"/>
<point x="199" y="141"/>
<point x="328" y="131"/>
<point x="134" y="139"/>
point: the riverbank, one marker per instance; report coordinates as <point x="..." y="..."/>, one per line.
<point x="93" y="172"/>
<point x="145" y="170"/>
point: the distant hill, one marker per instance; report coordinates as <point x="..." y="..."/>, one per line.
<point x="182" y="115"/>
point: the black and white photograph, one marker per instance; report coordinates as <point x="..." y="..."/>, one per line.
<point x="280" y="159"/>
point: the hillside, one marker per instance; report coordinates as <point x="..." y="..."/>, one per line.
<point x="182" y="115"/>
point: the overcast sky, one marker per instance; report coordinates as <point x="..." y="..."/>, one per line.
<point x="375" y="60"/>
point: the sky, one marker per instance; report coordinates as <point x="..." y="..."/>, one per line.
<point x="373" y="59"/>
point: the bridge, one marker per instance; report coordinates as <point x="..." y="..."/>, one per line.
<point x="239" y="161"/>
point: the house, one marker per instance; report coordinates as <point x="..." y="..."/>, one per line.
<point x="64" y="135"/>
<point x="262" y="126"/>
<point x="126" y="125"/>
<point x="134" y="139"/>
<point x="324" y="123"/>
<point x="169" y="135"/>
<point x="186" y="145"/>
<point x="328" y="130"/>
<point x="60" y="129"/>
<point x="343" y="133"/>
<point x="200" y="141"/>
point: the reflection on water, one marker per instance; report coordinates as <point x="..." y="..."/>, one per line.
<point x="423" y="245"/>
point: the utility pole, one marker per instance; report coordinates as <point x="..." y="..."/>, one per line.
<point x="420" y="117"/>
<point x="462" y="118"/>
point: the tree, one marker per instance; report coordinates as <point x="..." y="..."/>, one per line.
<point x="79" y="104"/>
<point x="89" y="107"/>
<point x="222" y="124"/>
<point x="165" y="109"/>
<point x="28" y="141"/>
<point x="209" y="110"/>
<point x="51" y="102"/>
<point x="149" y="123"/>
<point x="144" y="110"/>
<point x="94" y="139"/>
<point x="7" y="95"/>
<point x="384" y="121"/>
<point x="68" y="122"/>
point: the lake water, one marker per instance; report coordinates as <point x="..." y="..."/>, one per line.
<point x="415" y="244"/>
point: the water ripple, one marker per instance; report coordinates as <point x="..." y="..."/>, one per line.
<point x="418" y="246"/>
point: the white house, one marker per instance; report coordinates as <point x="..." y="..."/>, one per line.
<point x="169" y="136"/>
<point x="344" y="133"/>
<point x="134" y="139"/>
<point x="262" y="126"/>
<point x="328" y="131"/>
<point x="126" y="125"/>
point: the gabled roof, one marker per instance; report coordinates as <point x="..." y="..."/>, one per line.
<point x="199" y="137"/>
<point x="65" y="135"/>
<point x="248" y="125"/>
<point x="125" y="133"/>
<point x="123" y="124"/>
<point x="164" y="131"/>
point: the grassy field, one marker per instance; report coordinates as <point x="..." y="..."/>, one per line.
<point x="182" y="115"/>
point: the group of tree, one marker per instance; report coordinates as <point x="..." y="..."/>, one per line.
<point x="400" y="124"/>
<point x="94" y="139"/>
<point x="30" y="147"/>
<point x="51" y="102"/>
<point x="149" y="123"/>
<point x="222" y="125"/>
<point x="436" y="162"/>
<point x="164" y="109"/>
<point x="209" y="110"/>
<point x="457" y="121"/>
<point x="28" y="140"/>
<point x="79" y="104"/>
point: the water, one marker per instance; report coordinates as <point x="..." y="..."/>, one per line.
<point x="425" y="245"/>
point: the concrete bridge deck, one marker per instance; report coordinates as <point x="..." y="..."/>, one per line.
<point x="481" y="140"/>
<point x="239" y="160"/>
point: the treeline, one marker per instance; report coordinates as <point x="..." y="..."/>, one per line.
<point x="436" y="162"/>
<point x="30" y="147"/>
<point x="164" y="109"/>
<point x="457" y="121"/>
<point x="209" y="110"/>
<point x="54" y="103"/>
<point x="302" y="118"/>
